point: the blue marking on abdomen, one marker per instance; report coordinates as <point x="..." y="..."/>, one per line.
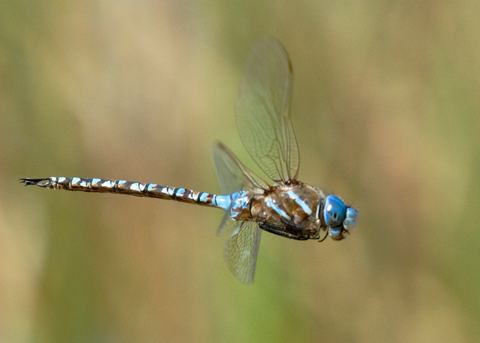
<point x="223" y="201"/>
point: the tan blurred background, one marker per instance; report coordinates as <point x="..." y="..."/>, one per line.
<point x="386" y="108"/>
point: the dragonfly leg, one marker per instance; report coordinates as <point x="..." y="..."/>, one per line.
<point x="282" y="231"/>
<point x="324" y="237"/>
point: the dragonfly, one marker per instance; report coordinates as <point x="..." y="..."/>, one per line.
<point x="278" y="202"/>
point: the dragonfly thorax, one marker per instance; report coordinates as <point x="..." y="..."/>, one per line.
<point x="287" y="209"/>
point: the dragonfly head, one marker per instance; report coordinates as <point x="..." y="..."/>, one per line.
<point x="338" y="217"/>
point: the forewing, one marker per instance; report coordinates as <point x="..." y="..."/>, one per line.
<point x="263" y="111"/>
<point x="241" y="250"/>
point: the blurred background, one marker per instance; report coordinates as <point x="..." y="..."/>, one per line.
<point x="386" y="109"/>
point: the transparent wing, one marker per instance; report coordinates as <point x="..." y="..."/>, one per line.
<point x="263" y="111"/>
<point x="232" y="174"/>
<point x="241" y="250"/>
<point x="241" y="247"/>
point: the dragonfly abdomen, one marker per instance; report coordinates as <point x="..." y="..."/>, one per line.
<point x="151" y="190"/>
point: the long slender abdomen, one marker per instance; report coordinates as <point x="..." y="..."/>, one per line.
<point x="151" y="190"/>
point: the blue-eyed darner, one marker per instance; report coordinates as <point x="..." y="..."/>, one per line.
<point x="283" y="205"/>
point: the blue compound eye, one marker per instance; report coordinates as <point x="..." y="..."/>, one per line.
<point x="334" y="212"/>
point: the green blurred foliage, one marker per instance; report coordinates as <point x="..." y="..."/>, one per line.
<point x="386" y="109"/>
